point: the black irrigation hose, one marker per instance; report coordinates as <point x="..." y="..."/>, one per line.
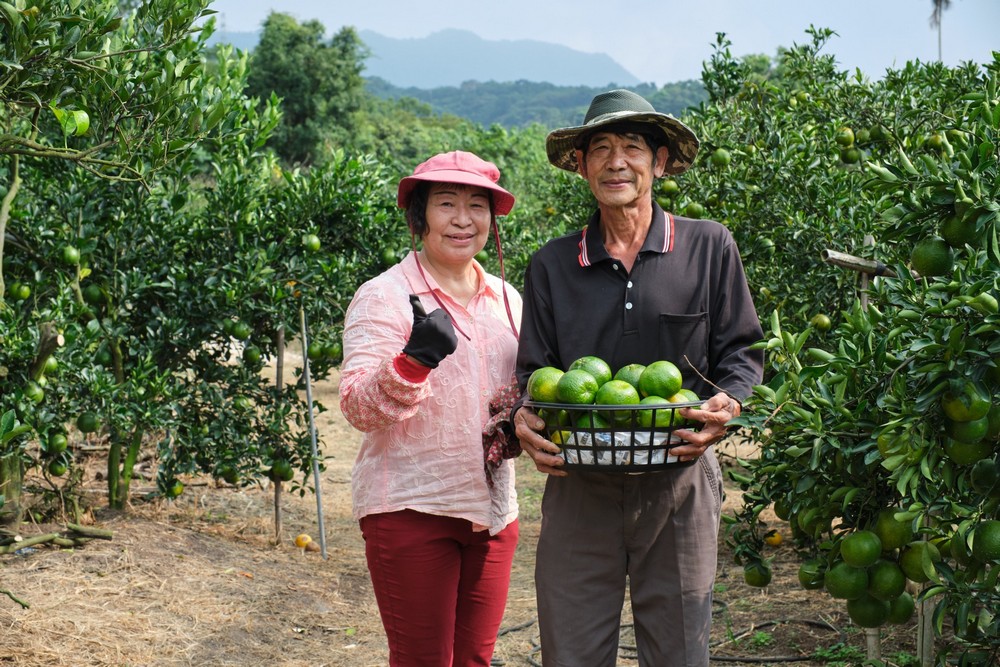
<point x="536" y="648"/>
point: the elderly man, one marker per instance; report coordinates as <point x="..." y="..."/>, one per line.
<point x="637" y="285"/>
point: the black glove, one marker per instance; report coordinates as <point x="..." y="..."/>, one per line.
<point x="433" y="337"/>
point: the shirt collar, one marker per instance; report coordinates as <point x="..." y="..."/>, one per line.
<point x="418" y="286"/>
<point x="659" y="238"/>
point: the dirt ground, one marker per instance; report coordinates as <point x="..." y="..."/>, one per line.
<point x="200" y="581"/>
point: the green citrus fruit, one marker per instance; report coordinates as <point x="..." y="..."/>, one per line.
<point x="93" y="294"/>
<point x="617" y="392"/>
<point x="388" y="257"/>
<point x="893" y="534"/>
<point x="71" y="255"/>
<point x="861" y="548"/>
<point x="985" y="477"/>
<point x="554" y="418"/>
<point x="694" y="210"/>
<point x="720" y="158"/>
<point x="577" y="387"/>
<point x="56" y="468"/>
<point x="868" y="612"/>
<point x="811" y="574"/>
<point x="957" y="232"/>
<point x="593" y="365"/>
<point x="782" y="509"/>
<point x="242" y="403"/>
<point x="965" y="402"/>
<point x="34" y="392"/>
<point x="757" y="574"/>
<point x="591" y="419"/>
<point x="901" y="609"/>
<point x="630" y="373"/>
<point x="968" y="432"/>
<point x="821" y="322"/>
<point x="174" y="489"/>
<point x="850" y="155"/>
<point x="542" y="384"/>
<point x="917" y="560"/>
<point x="845" y="137"/>
<point x="669" y="186"/>
<point x="314" y="350"/>
<point x="482" y="256"/>
<point x="333" y="351"/>
<point x="660" y="378"/>
<point x="56" y="444"/>
<point x="251" y="354"/>
<point x="662" y="415"/>
<point x="845" y="582"/>
<point x="88" y="422"/>
<point x="986" y="541"/>
<point x="51" y="365"/>
<point x="886" y="580"/>
<point x="282" y="470"/>
<point x="242" y="331"/>
<point x="932" y="256"/>
<point x="229" y="474"/>
<point x="311" y="243"/>
<point x="967" y="453"/>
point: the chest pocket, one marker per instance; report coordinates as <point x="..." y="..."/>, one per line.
<point x="684" y="335"/>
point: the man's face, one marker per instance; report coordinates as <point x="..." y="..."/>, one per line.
<point x="620" y="168"/>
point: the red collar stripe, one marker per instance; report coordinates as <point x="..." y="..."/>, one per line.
<point x="668" y="233"/>
<point x="583" y="258"/>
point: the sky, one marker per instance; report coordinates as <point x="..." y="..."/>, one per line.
<point x="663" y="41"/>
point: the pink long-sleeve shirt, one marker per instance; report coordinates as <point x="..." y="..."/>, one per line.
<point x="422" y="447"/>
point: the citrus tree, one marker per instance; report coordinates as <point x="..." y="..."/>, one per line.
<point x="879" y="439"/>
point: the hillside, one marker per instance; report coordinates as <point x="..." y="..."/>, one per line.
<point x="504" y="82"/>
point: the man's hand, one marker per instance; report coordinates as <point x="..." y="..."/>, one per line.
<point x="543" y="452"/>
<point x="714" y="414"/>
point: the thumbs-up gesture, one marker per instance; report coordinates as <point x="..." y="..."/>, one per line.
<point x="433" y="336"/>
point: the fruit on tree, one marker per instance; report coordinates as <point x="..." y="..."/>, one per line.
<point x="88" y="422"/>
<point x="932" y="256"/>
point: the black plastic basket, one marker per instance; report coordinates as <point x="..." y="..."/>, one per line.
<point x="623" y="444"/>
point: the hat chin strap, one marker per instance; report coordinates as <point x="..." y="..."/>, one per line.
<point x="503" y="281"/>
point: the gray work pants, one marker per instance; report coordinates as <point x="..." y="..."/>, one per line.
<point x="659" y="531"/>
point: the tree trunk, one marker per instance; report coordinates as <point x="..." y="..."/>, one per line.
<point x="11" y="482"/>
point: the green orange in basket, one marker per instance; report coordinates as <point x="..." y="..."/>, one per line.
<point x="660" y="378"/>
<point x="630" y="373"/>
<point x="593" y="365"/>
<point x="561" y="437"/>
<point x="542" y="384"/>
<point x="617" y="392"/>
<point x="553" y="417"/>
<point x="576" y="386"/>
<point x="593" y="419"/>
<point x="663" y="416"/>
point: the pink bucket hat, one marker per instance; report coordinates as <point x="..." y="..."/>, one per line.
<point x="458" y="167"/>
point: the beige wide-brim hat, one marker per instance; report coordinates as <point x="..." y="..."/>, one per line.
<point x="624" y="106"/>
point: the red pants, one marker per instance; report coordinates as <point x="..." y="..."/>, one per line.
<point x="441" y="587"/>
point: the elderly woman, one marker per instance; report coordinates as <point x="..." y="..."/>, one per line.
<point x="427" y="345"/>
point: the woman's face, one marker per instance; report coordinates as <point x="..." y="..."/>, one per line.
<point x="458" y="222"/>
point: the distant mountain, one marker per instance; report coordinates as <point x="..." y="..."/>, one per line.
<point x="453" y="57"/>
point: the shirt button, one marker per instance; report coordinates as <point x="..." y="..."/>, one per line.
<point x="628" y="306"/>
<point x="614" y="266"/>
<point x="629" y="285"/>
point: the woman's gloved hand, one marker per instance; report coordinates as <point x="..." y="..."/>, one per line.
<point x="433" y="336"/>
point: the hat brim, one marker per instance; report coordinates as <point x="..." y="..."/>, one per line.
<point x="503" y="201"/>
<point x="682" y="143"/>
